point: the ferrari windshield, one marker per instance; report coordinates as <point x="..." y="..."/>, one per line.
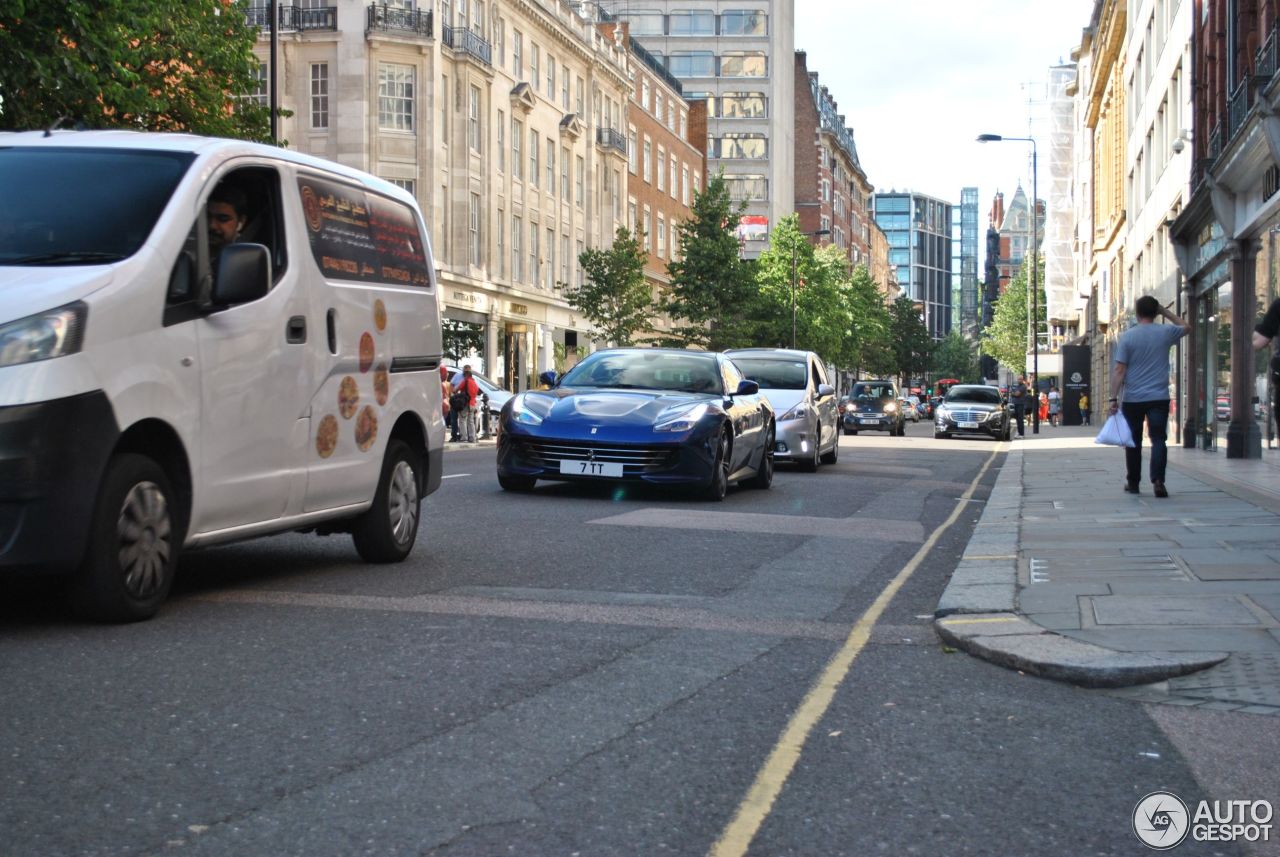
<point x="774" y="373"/>
<point x="647" y="370"/>
<point x="974" y="394"/>
<point x="82" y="206"/>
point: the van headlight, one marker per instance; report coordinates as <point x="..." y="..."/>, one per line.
<point x="43" y="336"/>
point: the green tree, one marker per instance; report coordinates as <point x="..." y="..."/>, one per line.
<point x="910" y="346"/>
<point x="614" y="295"/>
<point x="461" y="339"/>
<point x="867" y="346"/>
<point x="148" y="65"/>
<point x="712" y="295"/>
<point x="955" y="357"/>
<point x="798" y="281"/>
<point x="1005" y="338"/>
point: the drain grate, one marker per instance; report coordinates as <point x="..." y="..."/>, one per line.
<point x="1088" y="569"/>
<point x="1246" y="678"/>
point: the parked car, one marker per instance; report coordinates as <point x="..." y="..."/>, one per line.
<point x="795" y="383"/>
<point x="205" y="341"/>
<point x="910" y="408"/>
<point x="659" y="416"/>
<point x="493" y="398"/>
<point x="973" y="409"/>
<point x="1222" y="407"/>
<point x="873" y="406"/>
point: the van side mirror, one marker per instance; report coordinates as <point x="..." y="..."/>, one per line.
<point x="244" y="275"/>
<point x="747" y="388"/>
<point x="825" y="390"/>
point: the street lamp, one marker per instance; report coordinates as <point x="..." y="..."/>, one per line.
<point x="1035" y="274"/>
<point x="816" y="234"/>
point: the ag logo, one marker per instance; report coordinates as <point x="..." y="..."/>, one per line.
<point x="1161" y="820"/>
<point x="1076" y="377"/>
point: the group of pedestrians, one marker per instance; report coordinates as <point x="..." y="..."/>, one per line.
<point x="1020" y="400"/>
<point x="460" y="402"/>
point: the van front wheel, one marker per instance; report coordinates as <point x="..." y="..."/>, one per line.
<point x="133" y="544"/>
<point x="387" y="531"/>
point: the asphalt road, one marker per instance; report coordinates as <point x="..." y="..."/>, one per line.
<point x="581" y="671"/>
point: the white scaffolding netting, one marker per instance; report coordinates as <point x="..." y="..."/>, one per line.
<point x="1059" y="273"/>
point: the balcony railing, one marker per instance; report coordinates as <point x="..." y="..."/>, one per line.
<point x="1264" y="61"/>
<point x="389" y="19"/>
<point x="293" y="17"/>
<point x="611" y="139"/>
<point x="1215" y="142"/>
<point x="1238" y="107"/>
<point x="462" y="39"/>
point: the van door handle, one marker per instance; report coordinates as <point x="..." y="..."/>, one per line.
<point x="295" y="332"/>
<point x="331" y="322"/>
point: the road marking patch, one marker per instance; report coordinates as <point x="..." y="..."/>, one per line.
<point x="856" y="527"/>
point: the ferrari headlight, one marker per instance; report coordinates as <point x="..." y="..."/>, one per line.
<point x="680" y="417"/>
<point x="529" y="411"/>
<point x="43" y="336"/>
<point x="799" y="412"/>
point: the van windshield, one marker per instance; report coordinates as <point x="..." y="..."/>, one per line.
<point x="78" y="206"/>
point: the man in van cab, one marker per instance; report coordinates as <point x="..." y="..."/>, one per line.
<point x="228" y="209"/>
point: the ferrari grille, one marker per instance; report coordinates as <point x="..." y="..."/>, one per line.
<point x="635" y="460"/>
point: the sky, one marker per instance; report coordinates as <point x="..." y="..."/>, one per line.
<point x="918" y="80"/>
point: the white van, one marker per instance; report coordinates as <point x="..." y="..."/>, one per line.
<point x="203" y="341"/>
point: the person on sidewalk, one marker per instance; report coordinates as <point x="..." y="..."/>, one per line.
<point x="1084" y="409"/>
<point x="1140" y="380"/>
<point x="1044" y="407"/>
<point x="446" y="390"/>
<point x="1265" y="331"/>
<point x="468" y="413"/>
<point x="1055" y="405"/>
<point x="1018" y="401"/>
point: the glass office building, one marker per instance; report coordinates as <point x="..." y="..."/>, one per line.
<point x="918" y="228"/>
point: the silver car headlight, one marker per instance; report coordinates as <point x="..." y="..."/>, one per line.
<point x="799" y="412"/>
<point x="43" y="336"/>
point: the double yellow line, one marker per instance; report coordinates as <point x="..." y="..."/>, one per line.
<point x="777" y="768"/>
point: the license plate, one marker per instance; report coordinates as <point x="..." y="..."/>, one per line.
<point x="869" y="422"/>
<point x="967" y="425"/>
<point x="591" y="468"/>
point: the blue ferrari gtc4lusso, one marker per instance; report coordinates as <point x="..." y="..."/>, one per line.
<point x="659" y="416"/>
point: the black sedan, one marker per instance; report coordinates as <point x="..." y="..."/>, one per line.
<point x="658" y="416"/>
<point x="972" y="409"/>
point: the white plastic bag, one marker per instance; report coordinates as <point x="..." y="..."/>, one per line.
<point x="1115" y="432"/>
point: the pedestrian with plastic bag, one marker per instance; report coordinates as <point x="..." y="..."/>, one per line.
<point x="1140" y="381"/>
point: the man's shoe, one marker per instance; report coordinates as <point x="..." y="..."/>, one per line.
<point x="1160" y="490"/>
<point x="1131" y="487"/>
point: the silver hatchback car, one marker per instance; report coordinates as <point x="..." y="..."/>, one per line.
<point x="796" y="384"/>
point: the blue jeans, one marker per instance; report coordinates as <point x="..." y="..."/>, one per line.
<point x="1156" y="416"/>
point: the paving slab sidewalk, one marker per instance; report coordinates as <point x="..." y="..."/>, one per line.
<point x="1068" y="577"/>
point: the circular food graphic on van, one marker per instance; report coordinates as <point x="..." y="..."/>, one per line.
<point x="311" y="208"/>
<point x="366" y="351"/>
<point x="379" y="315"/>
<point x="327" y="435"/>
<point x="366" y="428"/>
<point x="381" y="383"/>
<point x="348" y="397"/>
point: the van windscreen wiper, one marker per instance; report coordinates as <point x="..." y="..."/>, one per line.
<point x="76" y="257"/>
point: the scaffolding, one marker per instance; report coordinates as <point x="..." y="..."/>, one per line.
<point x="1059" y="271"/>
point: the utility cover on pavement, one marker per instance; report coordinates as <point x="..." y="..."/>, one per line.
<point x="1170" y="610"/>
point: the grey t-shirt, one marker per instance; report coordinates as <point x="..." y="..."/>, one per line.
<point x="1144" y="350"/>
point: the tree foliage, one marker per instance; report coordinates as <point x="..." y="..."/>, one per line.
<point x="614" y="295"/>
<point x="798" y="281"/>
<point x="956" y="357"/>
<point x="1005" y="338"/>
<point x="867" y="346"/>
<point x="910" y="346"/>
<point x="148" y="65"/>
<point x="712" y="295"/>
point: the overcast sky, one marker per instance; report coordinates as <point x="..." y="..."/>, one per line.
<point x="918" y="80"/>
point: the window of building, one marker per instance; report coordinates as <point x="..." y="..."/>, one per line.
<point x="564" y="87"/>
<point x="662" y="159"/>
<point x="551" y="77"/>
<point x="473" y="230"/>
<point x="534" y="142"/>
<point x="444" y="109"/>
<point x="684" y="185"/>
<point x="517" y="54"/>
<point x="647" y="163"/>
<point x="261" y="93"/>
<point x="535" y="61"/>
<point x="662" y="235"/>
<point x="631" y="149"/>
<point x="564" y="173"/>
<point x="631" y="215"/>
<point x="517" y="134"/>
<point x="747" y="187"/>
<point x="675" y="239"/>
<point x="502" y="243"/>
<point x="579" y="100"/>
<point x="694" y="23"/>
<point x="319" y="95"/>
<point x="549" y="266"/>
<point x="743" y="105"/>
<point x="580" y="182"/>
<point x="691" y="64"/>
<point x="646" y="23"/>
<point x="502" y="142"/>
<point x="674" y="166"/>
<point x="535" y="275"/>
<point x="405" y="184"/>
<point x="697" y="182"/>
<point x="824" y="190"/>
<point x="744" y="64"/>
<point x="577" y="272"/>
<point x="564" y="258"/>
<point x="743" y="22"/>
<point x="745" y="145"/>
<point x="395" y="96"/>
<point x="644" y="92"/>
<point x="684" y="125"/>
<point x="646" y="226"/>
<point x="615" y="191"/>
<point x="517" y="251"/>
<point x="473" y="119"/>
<point x="499" y="41"/>
<point x="551" y="166"/>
